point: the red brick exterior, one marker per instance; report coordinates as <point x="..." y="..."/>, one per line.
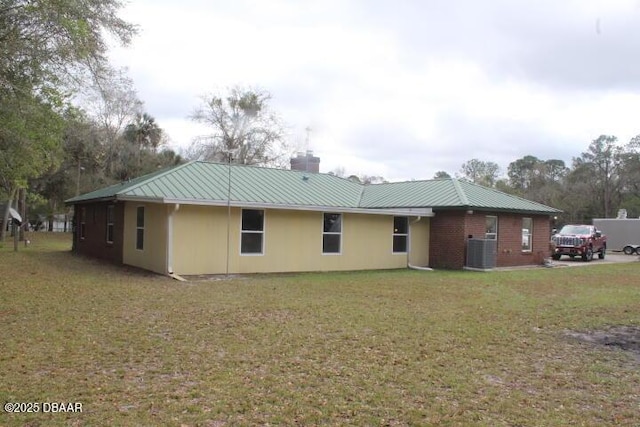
<point x="94" y="243"/>
<point x="510" y="240"/>
<point x="451" y="229"/>
<point x="447" y="240"/>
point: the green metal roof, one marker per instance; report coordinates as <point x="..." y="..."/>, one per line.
<point x="446" y="193"/>
<point x="480" y="197"/>
<point x="438" y="192"/>
<point x="208" y="183"/>
<point x="111" y="191"/>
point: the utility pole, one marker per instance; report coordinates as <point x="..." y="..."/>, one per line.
<point x="230" y="154"/>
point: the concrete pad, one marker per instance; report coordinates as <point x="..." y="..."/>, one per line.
<point x="610" y="258"/>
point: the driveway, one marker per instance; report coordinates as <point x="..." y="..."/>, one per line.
<point x="610" y="258"/>
<point x="565" y="261"/>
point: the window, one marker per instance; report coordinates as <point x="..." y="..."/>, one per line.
<point x="400" y="234"/>
<point x="527" y="233"/>
<point x="491" y="231"/>
<point x="331" y="233"/>
<point x="83" y="215"/>
<point x="110" y="222"/>
<point x="140" y="228"/>
<point x="252" y="234"/>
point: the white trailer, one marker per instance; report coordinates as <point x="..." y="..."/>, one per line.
<point x="620" y="232"/>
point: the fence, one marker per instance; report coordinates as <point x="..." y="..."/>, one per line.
<point x="59" y="223"/>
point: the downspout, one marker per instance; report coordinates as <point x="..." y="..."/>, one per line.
<point x="409" y="265"/>
<point x="170" y="272"/>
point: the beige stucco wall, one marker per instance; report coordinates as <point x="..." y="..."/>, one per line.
<point x="200" y="239"/>
<point x="154" y="254"/>
<point x="292" y="242"/>
<point x="419" y="241"/>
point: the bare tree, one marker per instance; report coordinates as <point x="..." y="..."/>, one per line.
<point x="243" y="125"/>
<point x="112" y="102"/>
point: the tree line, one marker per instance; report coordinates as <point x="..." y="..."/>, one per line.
<point x="71" y="123"/>
<point x="597" y="183"/>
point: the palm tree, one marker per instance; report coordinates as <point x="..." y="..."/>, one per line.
<point x="144" y="133"/>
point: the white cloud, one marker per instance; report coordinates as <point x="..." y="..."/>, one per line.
<point x="400" y="89"/>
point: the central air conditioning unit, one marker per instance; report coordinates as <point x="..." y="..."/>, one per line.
<point x="481" y="253"/>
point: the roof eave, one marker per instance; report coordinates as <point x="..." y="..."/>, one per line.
<point x="551" y="211"/>
<point x="92" y="200"/>
<point x="425" y="212"/>
<point x="404" y="211"/>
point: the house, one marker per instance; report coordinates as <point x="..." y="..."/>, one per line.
<point x="212" y="218"/>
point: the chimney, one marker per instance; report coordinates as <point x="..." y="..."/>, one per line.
<point x="306" y="162"/>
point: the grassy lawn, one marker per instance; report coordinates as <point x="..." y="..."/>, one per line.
<point x="363" y="348"/>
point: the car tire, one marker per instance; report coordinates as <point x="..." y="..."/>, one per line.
<point x="602" y="252"/>
<point x="588" y="255"/>
<point x="555" y="257"/>
<point x="628" y="250"/>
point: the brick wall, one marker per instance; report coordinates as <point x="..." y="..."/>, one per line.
<point x="95" y="243"/>
<point x="541" y="237"/>
<point x="447" y="240"/>
<point x="510" y="240"/>
<point x="451" y="229"/>
<point x="476" y="224"/>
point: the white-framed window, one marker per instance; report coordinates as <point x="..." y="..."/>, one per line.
<point x="331" y="233"/>
<point x="400" y="234"/>
<point x="83" y="224"/>
<point x="527" y="234"/>
<point x="252" y="232"/>
<point x="140" y="228"/>
<point x="110" y="223"/>
<point x="491" y="227"/>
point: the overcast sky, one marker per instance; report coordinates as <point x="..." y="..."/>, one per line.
<point x="400" y="89"/>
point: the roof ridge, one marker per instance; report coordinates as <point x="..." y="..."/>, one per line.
<point x="407" y="181"/>
<point x="461" y="194"/>
<point x="515" y="196"/>
<point x="280" y="169"/>
<point x="158" y="175"/>
<point x="362" y="188"/>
